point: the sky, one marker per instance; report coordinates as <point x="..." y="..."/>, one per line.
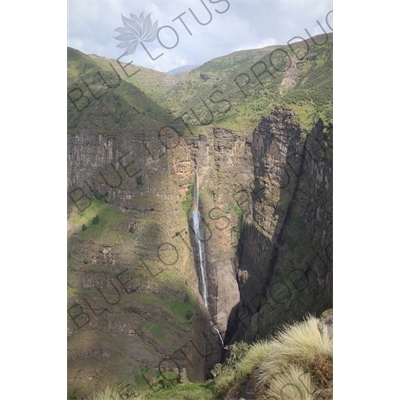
<point x="222" y="27"/>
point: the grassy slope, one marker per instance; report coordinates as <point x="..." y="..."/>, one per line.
<point x="296" y="363"/>
<point x="150" y="95"/>
<point x="310" y="97"/>
<point x="111" y="106"/>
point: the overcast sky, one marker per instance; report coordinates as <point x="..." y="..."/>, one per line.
<point x="229" y="25"/>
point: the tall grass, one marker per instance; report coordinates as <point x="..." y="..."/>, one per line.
<point x="256" y="355"/>
<point x="292" y="384"/>
<point x="298" y="344"/>
<point x="291" y="366"/>
<point x="109" y="393"/>
<point x="299" y="349"/>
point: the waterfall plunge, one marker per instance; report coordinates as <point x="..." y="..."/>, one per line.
<point x="200" y="245"/>
<point x="219" y="334"/>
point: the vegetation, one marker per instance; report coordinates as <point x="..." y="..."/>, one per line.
<point x="100" y="100"/>
<point x="293" y="365"/>
<point x="187" y="203"/>
<point x="139" y="181"/>
<point x="165" y="387"/>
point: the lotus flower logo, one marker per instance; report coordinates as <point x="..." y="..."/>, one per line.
<point x="137" y="29"/>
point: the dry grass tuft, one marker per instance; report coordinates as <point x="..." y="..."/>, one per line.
<point x="301" y="344"/>
<point x="292" y="384"/>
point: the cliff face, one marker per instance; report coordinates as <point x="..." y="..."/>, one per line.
<point x="134" y="299"/>
<point x="285" y="254"/>
<point x="266" y="205"/>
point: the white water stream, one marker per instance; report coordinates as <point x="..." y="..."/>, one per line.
<point x="200" y="245"/>
<point x="219" y="334"/>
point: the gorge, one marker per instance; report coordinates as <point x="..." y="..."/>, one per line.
<point x="206" y="234"/>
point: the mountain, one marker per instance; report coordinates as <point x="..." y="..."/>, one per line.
<point x="178" y="70"/>
<point x="250" y="133"/>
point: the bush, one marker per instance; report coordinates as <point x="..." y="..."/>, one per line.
<point x="189" y="315"/>
<point x="139" y="181"/>
<point x="95" y="220"/>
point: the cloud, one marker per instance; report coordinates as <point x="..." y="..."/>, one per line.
<point x="245" y="25"/>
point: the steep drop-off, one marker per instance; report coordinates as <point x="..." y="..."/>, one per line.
<point x="135" y="305"/>
<point x="284" y="264"/>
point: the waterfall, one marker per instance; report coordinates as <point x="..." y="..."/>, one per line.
<point x="219" y="334"/>
<point x="200" y="245"/>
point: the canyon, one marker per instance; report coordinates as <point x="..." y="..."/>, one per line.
<point x="188" y="232"/>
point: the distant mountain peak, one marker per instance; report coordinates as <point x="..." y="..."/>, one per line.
<point x="176" y="71"/>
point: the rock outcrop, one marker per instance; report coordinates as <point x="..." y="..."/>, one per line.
<point x="285" y="247"/>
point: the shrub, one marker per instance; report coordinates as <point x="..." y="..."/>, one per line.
<point x="139" y="181"/>
<point x="95" y="220"/>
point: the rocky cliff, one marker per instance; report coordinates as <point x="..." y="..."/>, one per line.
<point x="135" y="308"/>
<point x="133" y="277"/>
<point x="267" y="205"/>
<point x="284" y="260"/>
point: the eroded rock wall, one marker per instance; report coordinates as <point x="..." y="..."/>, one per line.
<point x="285" y="254"/>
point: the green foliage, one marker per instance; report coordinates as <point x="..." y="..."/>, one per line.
<point x="157" y="330"/>
<point x="150" y="100"/>
<point x="187" y="203"/>
<point x="236" y="209"/>
<point x="256" y="354"/>
<point x="225" y="376"/>
<point x="189" y="315"/>
<point x="84" y="227"/>
<point x="236" y="353"/>
<point x="182" y="309"/>
<point x="139" y="181"/>
<point x="95" y="220"/>
<point x="166" y="389"/>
